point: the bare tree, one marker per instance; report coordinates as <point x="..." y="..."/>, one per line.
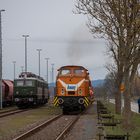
<point x="112" y="83"/>
<point x="118" y="21"/>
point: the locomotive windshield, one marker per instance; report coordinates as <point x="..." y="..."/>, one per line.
<point x="24" y="83"/>
<point x="19" y="83"/>
<point x="29" y="83"/>
<point x="65" y="72"/>
<point x="78" y="71"/>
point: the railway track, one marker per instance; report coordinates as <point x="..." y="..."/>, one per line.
<point x="5" y="111"/>
<point x="37" y="128"/>
<point x="59" y="130"/>
<point x="67" y="128"/>
<point x="31" y="134"/>
<point x="11" y="112"/>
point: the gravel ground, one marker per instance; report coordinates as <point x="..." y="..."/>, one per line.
<point x="17" y="124"/>
<point x="51" y="131"/>
<point x="85" y="128"/>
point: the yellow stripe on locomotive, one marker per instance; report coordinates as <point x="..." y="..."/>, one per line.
<point x="55" y="102"/>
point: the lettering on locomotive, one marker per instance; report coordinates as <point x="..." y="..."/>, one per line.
<point x="71" y="87"/>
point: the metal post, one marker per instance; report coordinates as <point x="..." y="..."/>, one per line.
<point x="39" y="61"/>
<point x="52" y="72"/>
<point x="14" y="62"/>
<point x="1" y="60"/>
<point x="47" y="76"/>
<point x="25" y="36"/>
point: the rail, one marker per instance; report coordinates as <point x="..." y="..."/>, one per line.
<point x="11" y="112"/>
<point x="67" y="128"/>
<point x="37" y="128"/>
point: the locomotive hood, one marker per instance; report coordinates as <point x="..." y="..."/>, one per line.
<point x="71" y="87"/>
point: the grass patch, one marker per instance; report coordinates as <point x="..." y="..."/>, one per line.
<point x="134" y="132"/>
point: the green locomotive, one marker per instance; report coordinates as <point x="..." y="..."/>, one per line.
<point x="30" y="90"/>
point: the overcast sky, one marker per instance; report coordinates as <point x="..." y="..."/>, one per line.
<point x="53" y="27"/>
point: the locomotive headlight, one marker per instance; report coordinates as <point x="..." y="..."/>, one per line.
<point x="80" y="91"/>
<point x="62" y="91"/>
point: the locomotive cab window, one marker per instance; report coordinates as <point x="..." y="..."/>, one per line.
<point x="79" y="71"/>
<point x="64" y="72"/>
<point x="19" y="83"/>
<point x="24" y="83"/>
<point x="29" y="83"/>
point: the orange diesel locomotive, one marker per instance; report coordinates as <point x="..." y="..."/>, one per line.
<point x="73" y="88"/>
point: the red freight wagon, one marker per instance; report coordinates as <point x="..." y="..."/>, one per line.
<point x="7" y="90"/>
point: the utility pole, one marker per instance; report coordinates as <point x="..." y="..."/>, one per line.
<point x="39" y="50"/>
<point x="1" y="60"/>
<point x="14" y="63"/>
<point x="52" y="73"/>
<point x="47" y="69"/>
<point x="25" y="36"/>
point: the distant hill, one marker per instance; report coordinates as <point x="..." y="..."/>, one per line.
<point x="98" y="83"/>
<point x="95" y="83"/>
